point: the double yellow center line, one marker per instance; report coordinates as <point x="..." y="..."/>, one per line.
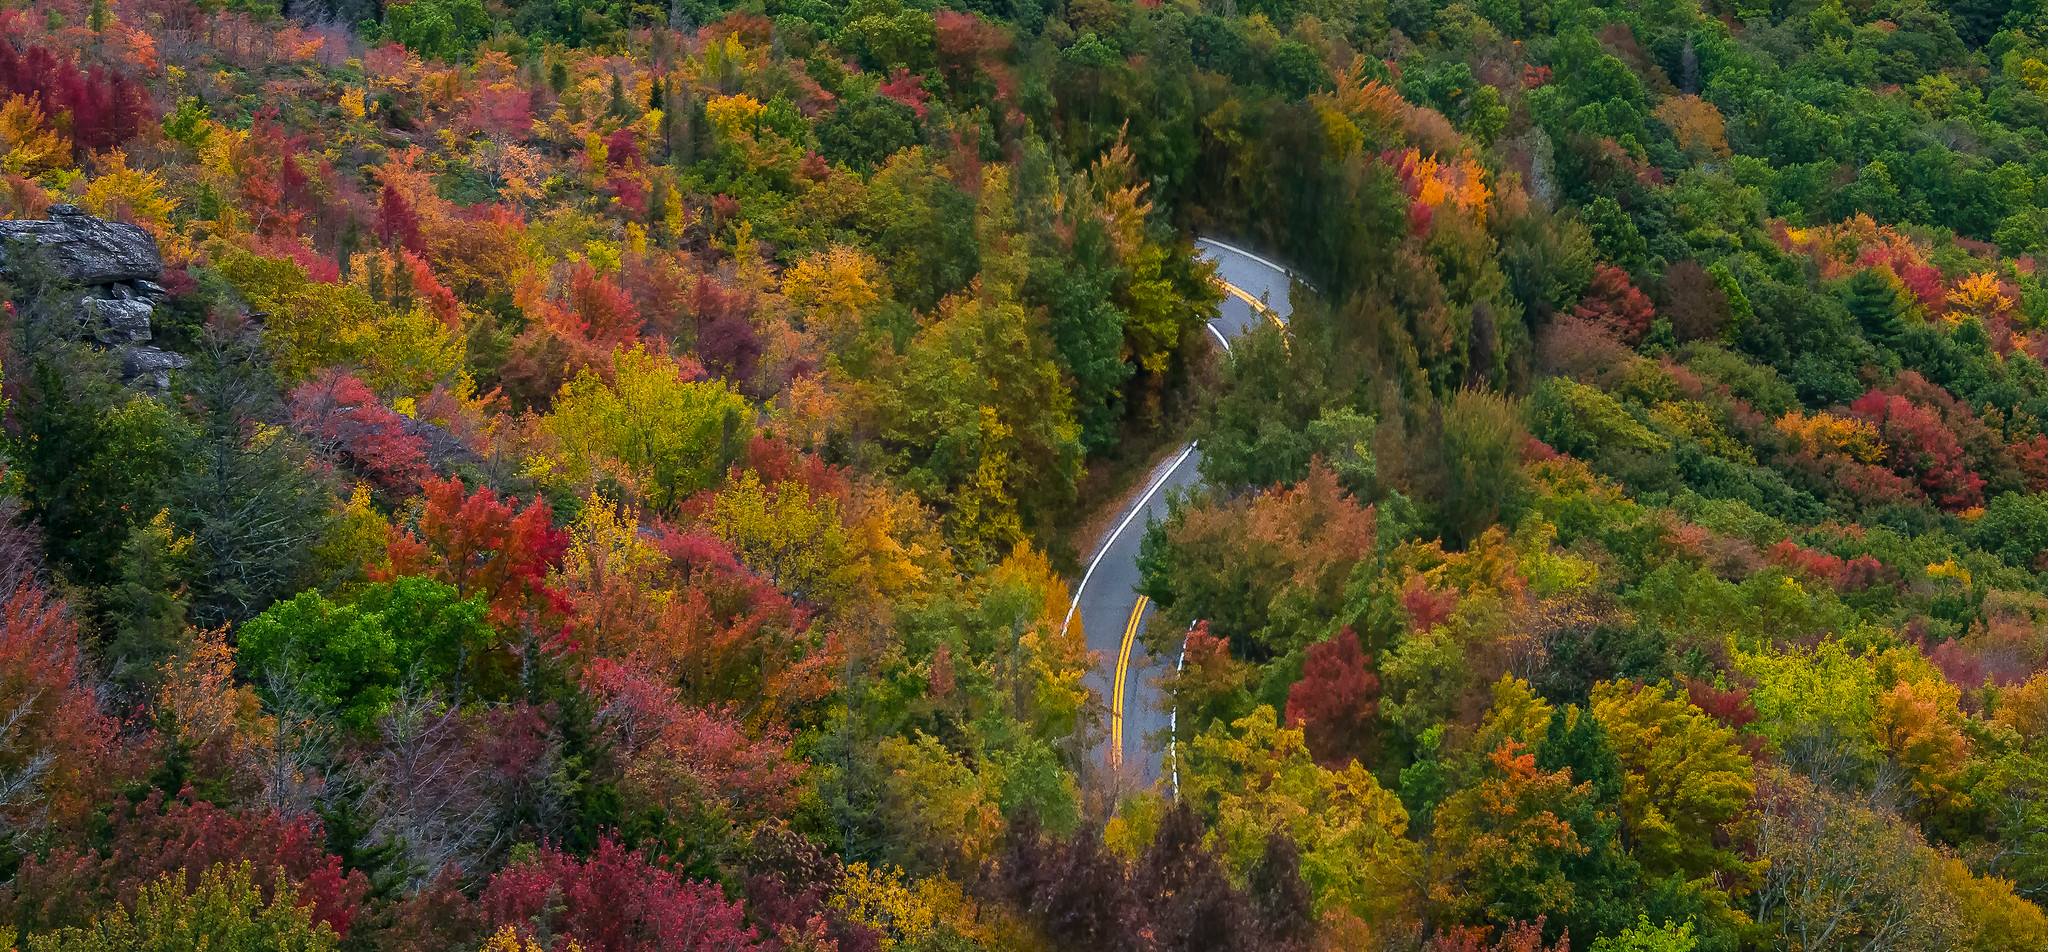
<point x="1123" y="670"/>
<point x="1258" y="307"/>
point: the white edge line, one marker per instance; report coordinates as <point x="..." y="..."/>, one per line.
<point x="1110" y="540"/>
<point x="1172" y="716"/>
<point x="1107" y="543"/>
<point x="1135" y="509"/>
<point x="1227" y="246"/>
<point x="1173" y="720"/>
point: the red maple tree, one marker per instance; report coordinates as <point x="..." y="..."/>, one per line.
<point x="149" y="839"/>
<point x="481" y="545"/>
<point x="1614" y="302"/>
<point x="105" y="108"/>
<point x="347" y="423"/>
<point x="1336" y="701"/>
<point x="615" y="901"/>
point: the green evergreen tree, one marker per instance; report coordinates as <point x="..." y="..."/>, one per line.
<point x="621" y="107"/>
<point x="93" y="455"/>
<point x="147" y="609"/>
<point x="1605" y="880"/>
<point x="245" y="494"/>
<point x="1878" y="306"/>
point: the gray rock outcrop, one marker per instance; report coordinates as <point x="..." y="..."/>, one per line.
<point x="119" y="321"/>
<point x="150" y="367"/>
<point x="117" y="265"/>
<point x="92" y="251"/>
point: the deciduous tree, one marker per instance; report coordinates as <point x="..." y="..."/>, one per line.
<point x="482" y="546"/>
<point x="668" y="431"/>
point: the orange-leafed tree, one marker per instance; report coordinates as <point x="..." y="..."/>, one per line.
<point x="482" y="545"/>
<point x="1518" y="937"/>
<point x="727" y="635"/>
<point x="55" y="745"/>
<point x="1697" y="126"/>
<point x="1507" y="842"/>
<point x="1267" y="572"/>
<point x="601" y="311"/>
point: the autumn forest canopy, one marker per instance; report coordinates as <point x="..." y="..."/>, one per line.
<point x="612" y="476"/>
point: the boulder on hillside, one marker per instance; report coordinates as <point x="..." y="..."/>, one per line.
<point x="116" y="265"/>
<point x="89" y="250"/>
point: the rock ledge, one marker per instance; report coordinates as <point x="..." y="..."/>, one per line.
<point x="117" y="264"/>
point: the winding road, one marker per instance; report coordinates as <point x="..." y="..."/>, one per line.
<point x="1106" y="600"/>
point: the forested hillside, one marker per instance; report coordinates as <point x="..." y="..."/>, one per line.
<point x="608" y="476"/>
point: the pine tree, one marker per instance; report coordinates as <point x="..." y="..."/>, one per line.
<point x="1876" y="304"/>
<point x="147" y="609"/>
<point x="245" y="495"/>
<point x="621" y="107"/>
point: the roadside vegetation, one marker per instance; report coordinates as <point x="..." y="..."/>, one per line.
<point x="622" y="485"/>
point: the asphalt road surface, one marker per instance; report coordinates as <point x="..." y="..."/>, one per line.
<point x="1106" y="601"/>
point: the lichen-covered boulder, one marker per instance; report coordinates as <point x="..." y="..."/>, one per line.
<point x="115" y="265"/>
<point x="150" y="367"/>
<point x="119" y="322"/>
<point x="89" y="250"/>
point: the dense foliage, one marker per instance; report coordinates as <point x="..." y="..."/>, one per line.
<point x="622" y="489"/>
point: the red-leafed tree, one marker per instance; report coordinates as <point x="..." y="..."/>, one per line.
<point x="1614" y="302"/>
<point x="149" y="839"/>
<point x="1730" y="706"/>
<point x="602" y="310"/>
<point x="622" y="150"/>
<point x="428" y="290"/>
<point x="1517" y="937"/>
<point x="504" y="110"/>
<point x="482" y="545"/>
<point x="1985" y="451"/>
<point x="397" y="223"/>
<point x="625" y="185"/>
<point x="346" y="423"/>
<point x="615" y="901"/>
<point x="777" y="461"/>
<point x="908" y="89"/>
<point x="727" y="343"/>
<point x="275" y="189"/>
<point x="676" y="752"/>
<point x="1427" y="608"/>
<point x="105" y="108"/>
<point x="1918" y="445"/>
<point x="1845" y="575"/>
<point x="2031" y="457"/>
<point x="966" y="43"/>
<point x="1798" y="559"/>
<point x="1336" y="701"/>
<point x="55" y="746"/>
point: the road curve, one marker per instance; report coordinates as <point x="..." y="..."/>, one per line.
<point x="1106" y="602"/>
